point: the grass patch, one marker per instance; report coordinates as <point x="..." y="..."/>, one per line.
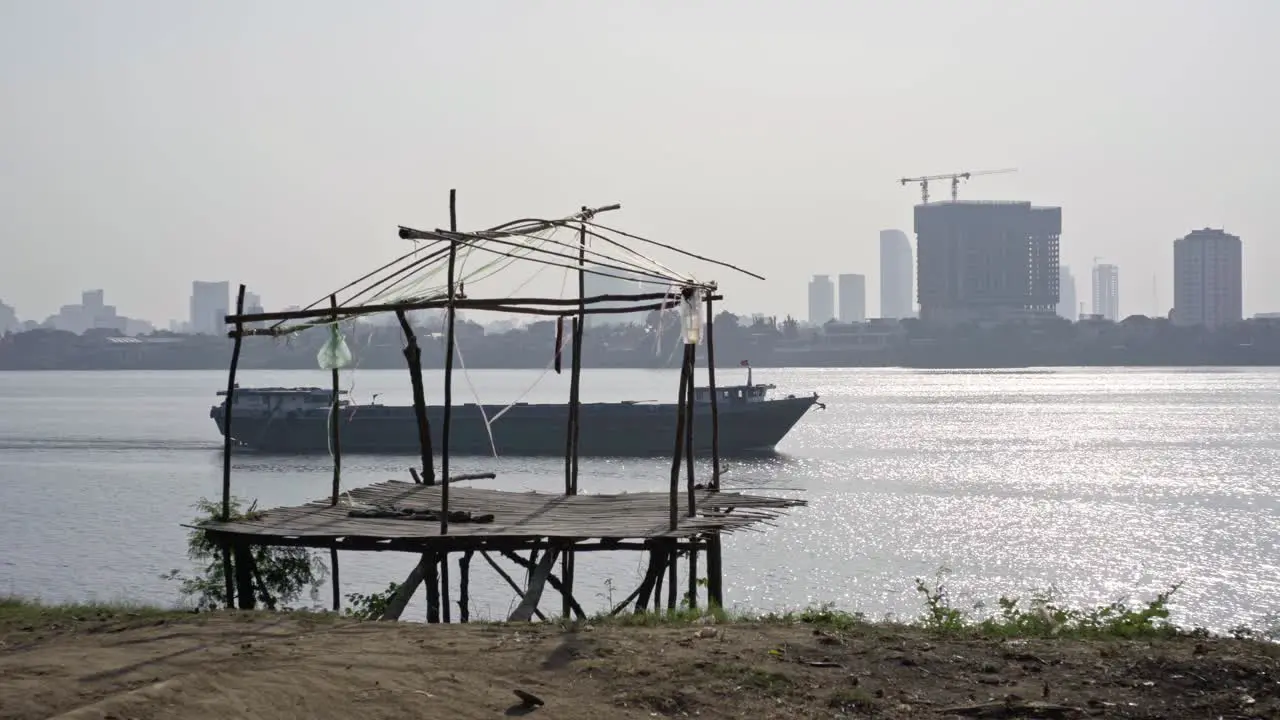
<point x="26" y="615"/>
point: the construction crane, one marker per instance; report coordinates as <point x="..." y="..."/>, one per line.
<point x="955" y="179"/>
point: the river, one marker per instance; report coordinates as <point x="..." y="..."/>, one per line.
<point x="1103" y="484"/>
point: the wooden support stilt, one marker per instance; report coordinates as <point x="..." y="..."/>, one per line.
<point x="673" y="589"/>
<point x="652" y="576"/>
<point x="510" y="581"/>
<point x="658" y="581"/>
<point x="575" y="419"/>
<point x="444" y="587"/>
<point x="431" y="579"/>
<point x="533" y="595"/>
<point x="715" y="576"/>
<point x="413" y="356"/>
<point x="245" y="596"/>
<point x="692" y="596"/>
<point x="440" y="586"/>
<point x="451" y="313"/>
<point x="711" y="386"/>
<point x="335" y="421"/>
<point x="688" y="432"/>
<point x="229" y="598"/>
<point x="333" y="573"/>
<point x="679" y="444"/>
<point x="556" y="584"/>
<point x="464" y="586"/>
<point x="399" y="600"/>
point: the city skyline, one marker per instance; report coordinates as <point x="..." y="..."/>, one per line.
<point x="288" y="174"/>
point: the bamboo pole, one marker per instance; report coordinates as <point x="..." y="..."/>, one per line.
<point x="413" y="356"/>
<point x="464" y="586"/>
<point x="335" y="422"/>
<point x="679" y="444"/>
<point x="575" y="419"/>
<point x="450" y="315"/>
<point x="337" y="587"/>
<point x="715" y="558"/>
<point x="672" y="577"/>
<point x="688" y="431"/>
<point x="226" y="447"/>
<point x="439" y="580"/>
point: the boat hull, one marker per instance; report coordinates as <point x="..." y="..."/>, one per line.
<point x="606" y="429"/>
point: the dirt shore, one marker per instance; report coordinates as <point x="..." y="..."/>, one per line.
<point x="143" y="665"/>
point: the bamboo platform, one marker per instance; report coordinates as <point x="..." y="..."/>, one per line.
<point x="431" y="517"/>
<point x="512" y="516"/>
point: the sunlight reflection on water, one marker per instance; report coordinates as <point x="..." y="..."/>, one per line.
<point x="1104" y="483"/>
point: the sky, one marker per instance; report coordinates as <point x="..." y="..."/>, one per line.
<point x="148" y="143"/>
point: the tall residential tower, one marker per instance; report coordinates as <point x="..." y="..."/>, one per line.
<point x="1208" y="285"/>
<point x="979" y="260"/>
<point x="1106" y="292"/>
<point x="896" y="271"/>
<point x="852" y="298"/>
<point x="822" y="300"/>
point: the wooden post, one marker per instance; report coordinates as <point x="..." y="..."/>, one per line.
<point x="450" y="314"/>
<point x="337" y="587"/>
<point x="672" y="577"/>
<point x="464" y="586"/>
<point x="693" y="577"/>
<point x="413" y="356"/>
<point x="715" y="576"/>
<point x="437" y="579"/>
<point x="335" y="420"/>
<point x="444" y="586"/>
<point x="226" y="446"/>
<point x="245" y="599"/>
<point x="575" y="409"/>
<point x="431" y="579"/>
<point x="688" y="431"/>
<point x="679" y="446"/>
<point x="537" y="581"/>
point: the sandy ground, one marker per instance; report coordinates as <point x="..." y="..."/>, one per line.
<point x="139" y="666"/>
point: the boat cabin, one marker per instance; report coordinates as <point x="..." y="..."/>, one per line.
<point x="283" y="400"/>
<point x="733" y="394"/>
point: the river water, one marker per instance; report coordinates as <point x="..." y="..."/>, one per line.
<point x="1103" y="484"/>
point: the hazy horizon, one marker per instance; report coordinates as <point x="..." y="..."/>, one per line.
<point x="148" y="144"/>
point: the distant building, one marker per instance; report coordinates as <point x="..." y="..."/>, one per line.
<point x="92" y="313"/>
<point x="988" y="261"/>
<point x="1067" y="294"/>
<point x="1106" y="292"/>
<point x="1208" y="287"/>
<point x="851" y="298"/>
<point x="8" y="319"/>
<point x="252" y="303"/>
<point x="896" y="275"/>
<point x="822" y="300"/>
<point x="210" y="303"/>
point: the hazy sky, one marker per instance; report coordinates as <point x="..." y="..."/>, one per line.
<point x="144" y="144"/>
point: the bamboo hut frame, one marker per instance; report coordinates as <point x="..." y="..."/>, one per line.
<point x="695" y="527"/>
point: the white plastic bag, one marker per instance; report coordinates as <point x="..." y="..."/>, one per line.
<point x="690" y="319"/>
<point x="334" y="354"/>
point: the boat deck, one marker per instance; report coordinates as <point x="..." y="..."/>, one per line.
<point x="499" y="518"/>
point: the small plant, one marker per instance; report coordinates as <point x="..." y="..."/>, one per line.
<point x="371" y="606"/>
<point x="939" y="613"/>
<point x="1043" y="615"/>
<point x="283" y="573"/>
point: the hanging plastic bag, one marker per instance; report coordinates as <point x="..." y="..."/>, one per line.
<point x="691" y="320"/>
<point x="334" y="354"/>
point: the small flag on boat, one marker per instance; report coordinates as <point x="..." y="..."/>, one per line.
<point x="745" y="363"/>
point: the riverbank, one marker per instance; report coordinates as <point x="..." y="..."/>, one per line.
<point x="144" y="663"/>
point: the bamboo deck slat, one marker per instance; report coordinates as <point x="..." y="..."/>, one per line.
<point x="627" y="516"/>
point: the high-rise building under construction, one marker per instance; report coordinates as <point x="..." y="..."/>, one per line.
<point x="986" y="261"/>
